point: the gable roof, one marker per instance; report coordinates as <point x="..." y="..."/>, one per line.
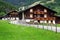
<point x="8" y="13"/>
<point x="31" y="6"/>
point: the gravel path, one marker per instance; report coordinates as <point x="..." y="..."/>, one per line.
<point x="53" y="28"/>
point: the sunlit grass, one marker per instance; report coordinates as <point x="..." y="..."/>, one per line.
<point x="19" y="32"/>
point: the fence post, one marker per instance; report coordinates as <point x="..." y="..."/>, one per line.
<point x="43" y="25"/>
<point x="47" y="25"/>
<point x="32" y="23"/>
<point x="37" y="25"/>
<point x="51" y="26"/>
<point x="56" y="27"/>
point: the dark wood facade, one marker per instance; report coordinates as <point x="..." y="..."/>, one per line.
<point x="57" y="19"/>
<point x="11" y="14"/>
<point x="39" y="11"/>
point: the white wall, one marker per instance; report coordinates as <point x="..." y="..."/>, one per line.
<point x="13" y="18"/>
<point x="28" y="20"/>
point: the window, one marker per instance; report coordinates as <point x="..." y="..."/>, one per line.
<point x="41" y="15"/>
<point x="45" y="21"/>
<point x="38" y="16"/>
<point x="38" y="10"/>
<point x="31" y="15"/>
<point x="35" y="16"/>
<point x="45" y="16"/>
<point x="49" y="21"/>
<point x="31" y="10"/>
<point x="45" y="10"/>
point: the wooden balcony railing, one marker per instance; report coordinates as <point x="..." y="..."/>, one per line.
<point x="42" y="18"/>
<point x="38" y="12"/>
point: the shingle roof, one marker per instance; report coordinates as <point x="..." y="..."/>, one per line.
<point x="33" y="5"/>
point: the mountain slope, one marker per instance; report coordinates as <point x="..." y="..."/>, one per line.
<point x="23" y="2"/>
<point x="52" y="4"/>
<point x="5" y="7"/>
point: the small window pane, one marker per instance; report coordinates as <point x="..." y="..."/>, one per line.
<point x="31" y="10"/>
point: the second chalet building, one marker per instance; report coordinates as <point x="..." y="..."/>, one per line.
<point x="38" y="13"/>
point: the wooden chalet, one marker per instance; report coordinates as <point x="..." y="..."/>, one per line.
<point x="11" y="15"/>
<point x="38" y="13"/>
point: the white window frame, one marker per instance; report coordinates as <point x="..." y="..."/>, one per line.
<point x="31" y="15"/>
<point x="31" y="10"/>
<point x="45" y="16"/>
<point x="45" y="10"/>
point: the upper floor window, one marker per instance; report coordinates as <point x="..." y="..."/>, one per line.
<point x="35" y="15"/>
<point x="31" y="10"/>
<point x="41" y="15"/>
<point x="31" y="15"/>
<point x="45" y="16"/>
<point x="45" y="10"/>
<point x="38" y="10"/>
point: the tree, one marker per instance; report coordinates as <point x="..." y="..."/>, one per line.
<point x="2" y="14"/>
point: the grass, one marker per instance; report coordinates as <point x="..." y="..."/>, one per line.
<point x="58" y="25"/>
<point x="18" y="32"/>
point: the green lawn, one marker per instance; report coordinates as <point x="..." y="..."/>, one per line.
<point x="58" y="25"/>
<point x="18" y="32"/>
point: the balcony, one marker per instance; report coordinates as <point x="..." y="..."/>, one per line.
<point x="42" y="18"/>
<point x="38" y="12"/>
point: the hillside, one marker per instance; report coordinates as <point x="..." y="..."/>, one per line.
<point x="52" y="4"/>
<point x="24" y="2"/>
<point x="5" y="7"/>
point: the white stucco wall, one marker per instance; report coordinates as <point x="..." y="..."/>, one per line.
<point x="28" y="20"/>
<point x="13" y="18"/>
